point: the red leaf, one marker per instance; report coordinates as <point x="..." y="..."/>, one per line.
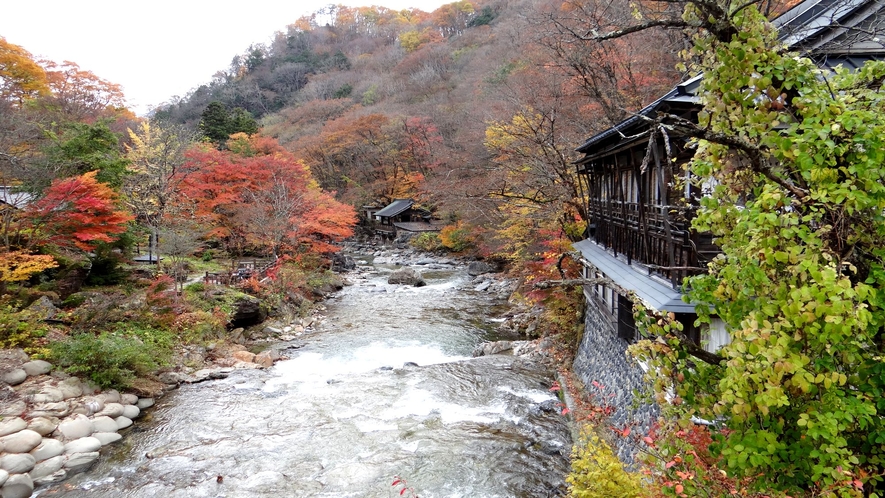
<point x="679" y="488"/>
<point x="402" y="492"/>
<point x="669" y="464"/>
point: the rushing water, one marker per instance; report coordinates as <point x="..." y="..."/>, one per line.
<point x="348" y="412"/>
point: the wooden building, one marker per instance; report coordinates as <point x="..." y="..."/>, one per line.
<point x="403" y="215"/>
<point x="641" y="202"/>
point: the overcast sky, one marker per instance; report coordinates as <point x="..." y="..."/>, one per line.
<point x="158" y="48"/>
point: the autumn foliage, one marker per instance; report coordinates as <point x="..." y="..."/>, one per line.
<point x="76" y="213"/>
<point x="259" y="195"/>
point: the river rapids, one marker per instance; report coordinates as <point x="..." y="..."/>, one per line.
<point x="385" y="386"/>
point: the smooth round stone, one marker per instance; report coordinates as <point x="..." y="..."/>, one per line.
<point x="49" y="448"/>
<point x="144" y="403"/>
<point x="104" y="424"/>
<point x="11" y="425"/>
<point x="3" y="476"/>
<point x="131" y="411"/>
<point x="70" y="388"/>
<point x="112" y="410"/>
<point x="21" y="442"/>
<point x="14" y="377"/>
<point x="37" y="367"/>
<point x="123" y="422"/>
<point x="75" y="427"/>
<point x="17" y="463"/>
<point x="47" y="467"/>
<point x="48" y="395"/>
<point x="111" y="396"/>
<point x="78" y="462"/>
<point x="83" y="445"/>
<point x="43" y="425"/>
<point x="57" y="476"/>
<point x="17" y="486"/>
<point x="59" y="409"/>
<point x="13" y="409"/>
<point x="107" y="438"/>
<point x="128" y="399"/>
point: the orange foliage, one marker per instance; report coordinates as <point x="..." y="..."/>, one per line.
<point x="259" y="192"/>
<point x="76" y="212"/>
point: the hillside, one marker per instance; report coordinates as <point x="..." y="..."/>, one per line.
<point x="465" y="107"/>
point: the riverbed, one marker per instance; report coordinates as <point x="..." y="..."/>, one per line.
<point x="384" y="387"/>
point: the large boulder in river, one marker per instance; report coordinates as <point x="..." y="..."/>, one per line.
<point x="476" y="268"/>
<point x="406" y="276"/>
<point x="247" y="311"/>
<point x="342" y="262"/>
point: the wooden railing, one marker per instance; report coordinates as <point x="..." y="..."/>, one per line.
<point x="245" y="270"/>
<point x="657" y="236"/>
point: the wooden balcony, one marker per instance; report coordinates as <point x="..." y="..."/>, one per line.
<point x="657" y="236"/>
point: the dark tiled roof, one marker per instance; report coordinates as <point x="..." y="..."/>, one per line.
<point x="396" y="207"/>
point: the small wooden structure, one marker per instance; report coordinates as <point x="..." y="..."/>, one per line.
<point x="404" y="215"/>
<point x="245" y="270"/>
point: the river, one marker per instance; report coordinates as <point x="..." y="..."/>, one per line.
<point x="385" y="386"/>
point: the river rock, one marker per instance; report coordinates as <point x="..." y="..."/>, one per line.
<point x="17" y="463"/>
<point x="476" y="268"/>
<point x="42" y="309"/>
<point x="406" y="276"/>
<point x="57" y="476"/>
<point x="144" y="403"/>
<point x="75" y="427"/>
<point x="131" y="411"/>
<point x="59" y="409"/>
<point x="490" y="348"/>
<point x="17" y="486"/>
<point x="79" y="462"/>
<point x="70" y="388"/>
<point x="48" y="448"/>
<point x="244" y="356"/>
<point x="83" y="445"/>
<point x="21" y="442"/>
<point x="47" y="395"/>
<point x="483" y="286"/>
<point x="37" y="367"/>
<point x="247" y="311"/>
<point x="128" y="399"/>
<point x="11" y="425"/>
<point x="47" y="467"/>
<point x="13" y="408"/>
<point x="123" y="422"/>
<point x="110" y="396"/>
<point x="107" y="438"/>
<point x="43" y="425"/>
<point x="112" y="410"/>
<point x="3" y="476"/>
<point x="14" y="377"/>
<point x="267" y="358"/>
<point x="103" y="423"/>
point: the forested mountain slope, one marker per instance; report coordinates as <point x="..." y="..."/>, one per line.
<point x="474" y="104"/>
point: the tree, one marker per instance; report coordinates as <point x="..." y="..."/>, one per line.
<point x="21" y="78"/>
<point x="218" y="123"/>
<point x="77" y="149"/>
<point x="74" y="214"/>
<point x="258" y="195"/>
<point x="795" y="157"/>
<point x="80" y="95"/>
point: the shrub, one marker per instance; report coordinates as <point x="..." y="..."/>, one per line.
<point x="456" y="237"/>
<point x="427" y="241"/>
<point x="109" y="360"/>
<point x="597" y="472"/>
<point x="19" y="329"/>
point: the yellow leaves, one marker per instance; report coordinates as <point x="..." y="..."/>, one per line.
<point x="18" y="266"/>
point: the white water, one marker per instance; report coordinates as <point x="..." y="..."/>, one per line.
<point x="344" y="415"/>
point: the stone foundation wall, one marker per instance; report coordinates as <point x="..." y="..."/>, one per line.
<point x="602" y="357"/>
